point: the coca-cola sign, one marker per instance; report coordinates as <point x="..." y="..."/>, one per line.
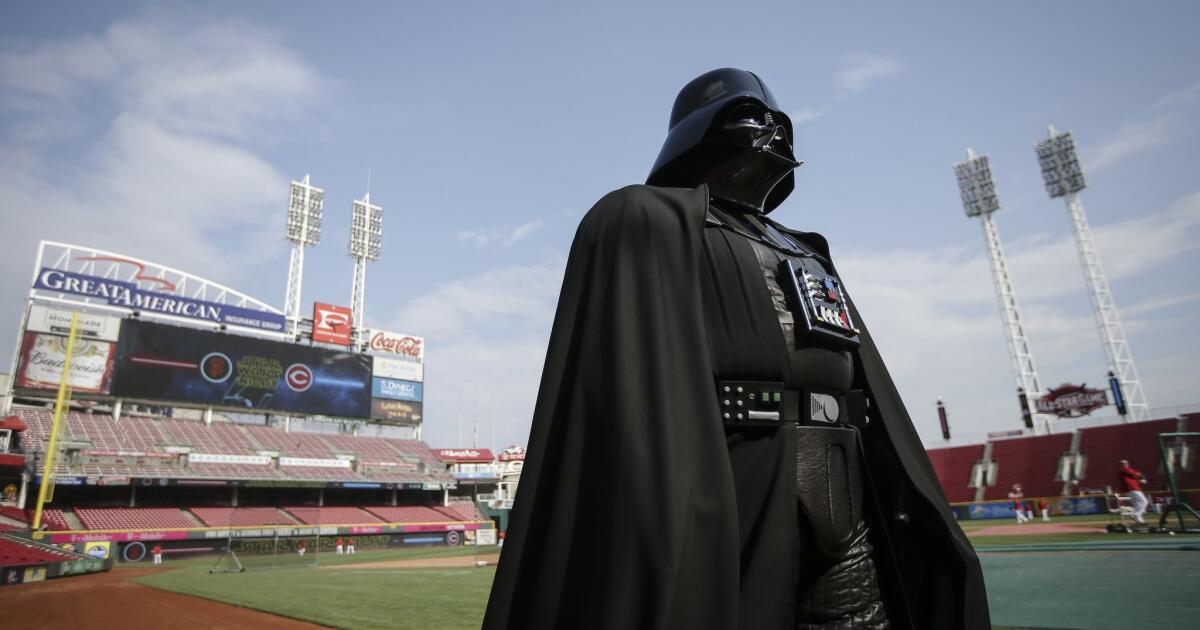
<point x="407" y="347"/>
<point x="1072" y="401"/>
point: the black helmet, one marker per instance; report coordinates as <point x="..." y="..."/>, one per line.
<point x="696" y="108"/>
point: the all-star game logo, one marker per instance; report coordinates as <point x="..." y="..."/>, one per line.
<point x="1072" y="401"/>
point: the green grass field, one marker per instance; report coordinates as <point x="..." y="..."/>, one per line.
<point x="1066" y="581"/>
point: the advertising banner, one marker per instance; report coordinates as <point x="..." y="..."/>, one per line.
<point x="396" y="390"/>
<point x="57" y="321"/>
<point x="43" y="357"/>
<point x="128" y="295"/>
<point x="467" y="455"/>
<point x="331" y="324"/>
<point x="172" y="363"/>
<point x="395" y="411"/>
<point x="397" y="369"/>
<point x="398" y="345"/>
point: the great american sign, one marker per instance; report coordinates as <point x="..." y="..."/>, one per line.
<point x="129" y="295"/>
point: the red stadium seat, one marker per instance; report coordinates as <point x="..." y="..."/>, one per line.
<point x="953" y="467"/>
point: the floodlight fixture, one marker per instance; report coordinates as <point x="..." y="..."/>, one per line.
<point x="305" y="210"/>
<point x="975" y="185"/>
<point x="366" y="229"/>
<point x="1060" y="164"/>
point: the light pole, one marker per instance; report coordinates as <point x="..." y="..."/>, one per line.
<point x="366" y="244"/>
<point x="305" y="206"/>
<point x="1064" y="178"/>
<point x="979" y="200"/>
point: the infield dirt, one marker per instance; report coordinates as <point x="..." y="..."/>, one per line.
<point x="108" y="600"/>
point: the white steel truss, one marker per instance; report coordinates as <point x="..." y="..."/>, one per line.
<point x="303" y="228"/>
<point x="1019" y="351"/>
<point x="358" y="294"/>
<point x="1104" y="311"/>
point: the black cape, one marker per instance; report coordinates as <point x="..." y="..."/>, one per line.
<point x="626" y="516"/>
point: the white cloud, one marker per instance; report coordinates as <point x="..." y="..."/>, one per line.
<point x="487" y="339"/>
<point x="1134" y="138"/>
<point x="807" y="115"/>
<point x="934" y="314"/>
<point x="483" y="236"/>
<point x="1186" y="96"/>
<point x="861" y="69"/>
<point x="139" y="139"/>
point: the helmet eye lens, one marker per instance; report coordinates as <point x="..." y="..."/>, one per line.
<point x="748" y="115"/>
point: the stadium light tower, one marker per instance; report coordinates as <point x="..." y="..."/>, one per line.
<point x="979" y="200"/>
<point x="366" y="244"/>
<point x="305" y="206"/>
<point x="1064" y="178"/>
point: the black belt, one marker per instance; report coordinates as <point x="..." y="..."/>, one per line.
<point x="766" y="403"/>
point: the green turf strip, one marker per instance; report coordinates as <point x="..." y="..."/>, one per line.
<point x="434" y="599"/>
<point x="1027" y="588"/>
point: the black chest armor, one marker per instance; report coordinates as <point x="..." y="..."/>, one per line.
<point x="813" y="401"/>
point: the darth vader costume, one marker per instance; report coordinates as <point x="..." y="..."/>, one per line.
<point x="717" y="443"/>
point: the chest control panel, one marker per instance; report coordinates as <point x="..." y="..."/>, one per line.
<point x="818" y="303"/>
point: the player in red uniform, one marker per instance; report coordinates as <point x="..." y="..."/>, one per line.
<point x="350" y="546"/>
<point x="157" y="551"/>
<point x="338" y="545"/>
<point x="1132" y="481"/>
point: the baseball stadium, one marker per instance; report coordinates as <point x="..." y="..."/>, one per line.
<point x="184" y="488"/>
<point x="713" y="412"/>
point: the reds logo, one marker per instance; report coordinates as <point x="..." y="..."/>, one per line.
<point x="331" y="324"/>
<point x="298" y="377"/>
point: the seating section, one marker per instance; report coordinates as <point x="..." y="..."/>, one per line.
<point x="1136" y="442"/>
<point x="464" y="511"/>
<point x="237" y="517"/>
<point x="293" y="444"/>
<point x="1029" y="461"/>
<point x="1033" y="461"/>
<point x="310" y="515"/>
<point x="52" y="520"/>
<point x="218" y="438"/>
<point x="133" y="518"/>
<point x="16" y="552"/>
<point x="138" y="447"/>
<point x="953" y="467"/>
<point x="409" y="514"/>
<point x="15" y="513"/>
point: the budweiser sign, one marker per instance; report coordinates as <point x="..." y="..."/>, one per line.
<point x="406" y="347"/>
<point x="1072" y="401"/>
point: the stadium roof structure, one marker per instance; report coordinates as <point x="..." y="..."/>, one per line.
<point x="131" y="285"/>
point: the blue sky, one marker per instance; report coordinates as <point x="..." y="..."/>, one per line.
<point x="169" y="132"/>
